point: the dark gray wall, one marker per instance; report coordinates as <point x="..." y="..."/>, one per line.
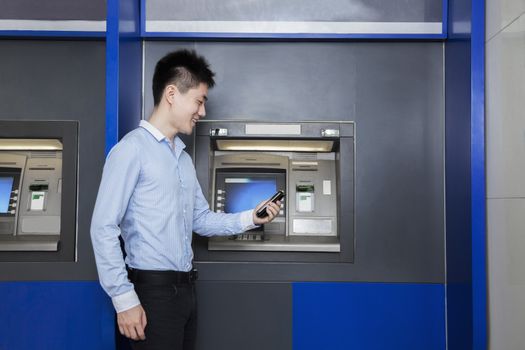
<point x="59" y="80"/>
<point x="298" y="10"/>
<point x="394" y="93"/>
<point x="94" y="10"/>
<point x="255" y="316"/>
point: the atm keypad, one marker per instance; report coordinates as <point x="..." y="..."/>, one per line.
<point x="248" y="237"/>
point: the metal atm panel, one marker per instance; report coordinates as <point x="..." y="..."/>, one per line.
<point x="309" y="156"/>
<point x="30" y="198"/>
<point x="38" y="190"/>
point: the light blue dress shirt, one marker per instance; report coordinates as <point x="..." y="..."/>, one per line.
<point x="150" y="195"/>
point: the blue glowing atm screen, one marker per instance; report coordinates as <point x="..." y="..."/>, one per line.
<point x="245" y="193"/>
<point x="6" y="185"/>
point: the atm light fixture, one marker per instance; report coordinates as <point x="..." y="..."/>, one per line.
<point x="276" y="145"/>
<point x="30" y="145"/>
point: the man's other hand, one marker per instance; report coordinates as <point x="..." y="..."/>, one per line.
<point x="272" y="209"/>
<point x="132" y="322"/>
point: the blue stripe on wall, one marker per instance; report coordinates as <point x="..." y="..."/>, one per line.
<point x="368" y="316"/>
<point x="112" y="85"/>
<point x="55" y="316"/>
<point x="479" y="215"/>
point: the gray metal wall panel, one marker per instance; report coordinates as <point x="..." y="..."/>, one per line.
<point x="59" y="80"/>
<point x="53" y="10"/>
<point x="394" y="93"/>
<point x="298" y="10"/>
<point x="255" y="316"/>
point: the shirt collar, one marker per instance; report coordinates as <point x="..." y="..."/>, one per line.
<point x="152" y="130"/>
<point x="179" y="144"/>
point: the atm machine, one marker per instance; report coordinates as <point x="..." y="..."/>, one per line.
<point x="240" y="164"/>
<point x="30" y="189"/>
<point x="36" y="190"/>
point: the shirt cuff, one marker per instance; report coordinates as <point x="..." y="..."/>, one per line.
<point x="247" y="220"/>
<point x="125" y="301"/>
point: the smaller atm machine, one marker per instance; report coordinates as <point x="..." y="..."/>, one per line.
<point x="30" y="194"/>
<point x="36" y="190"/>
<point x="245" y="163"/>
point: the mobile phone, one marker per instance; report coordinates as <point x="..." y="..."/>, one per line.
<point x="261" y="213"/>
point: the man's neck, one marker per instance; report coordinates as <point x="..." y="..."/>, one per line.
<point x="160" y="121"/>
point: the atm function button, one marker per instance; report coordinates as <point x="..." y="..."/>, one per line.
<point x="281" y="212"/>
<point x="219" y="205"/>
<point x="220" y="191"/>
<point x="329" y="133"/>
<point x="15" y="191"/>
<point x="219" y="198"/>
<point x="13" y="205"/>
<point x="219" y="132"/>
<point x="13" y="212"/>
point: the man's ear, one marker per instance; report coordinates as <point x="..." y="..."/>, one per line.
<point x="170" y="93"/>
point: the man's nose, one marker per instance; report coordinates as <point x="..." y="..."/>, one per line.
<point x="202" y="111"/>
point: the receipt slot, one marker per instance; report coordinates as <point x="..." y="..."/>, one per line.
<point x="313" y="163"/>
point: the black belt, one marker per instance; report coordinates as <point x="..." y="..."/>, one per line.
<point x="159" y="278"/>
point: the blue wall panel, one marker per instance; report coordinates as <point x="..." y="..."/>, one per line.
<point x="55" y="316"/>
<point x="129" y="68"/>
<point x="368" y="316"/>
<point x="112" y="83"/>
<point x="479" y="214"/>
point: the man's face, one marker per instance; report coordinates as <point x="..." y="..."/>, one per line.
<point x="187" y="108"/>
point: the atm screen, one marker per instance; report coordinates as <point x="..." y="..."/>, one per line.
<point x="6" y="186"/>
<point x="243" y="193"/>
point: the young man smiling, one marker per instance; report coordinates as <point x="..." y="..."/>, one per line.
<point x="149" y="195"/>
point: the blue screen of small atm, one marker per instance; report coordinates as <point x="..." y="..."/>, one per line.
<point x="6" y="186"/>
<point x="245" y="193"/>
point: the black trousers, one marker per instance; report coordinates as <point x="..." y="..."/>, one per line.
<point x="171" y="313"/>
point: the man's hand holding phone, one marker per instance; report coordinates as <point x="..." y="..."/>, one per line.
<point x="267" y="210"/>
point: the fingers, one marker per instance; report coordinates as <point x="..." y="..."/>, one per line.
<point x="142" y="327"/>
<point x="133" y="333"/>
<point x="124" y="331"/>
<point x="132" y="322"/>
<point x="140" y="332"/>
<point x="144" y="320"/>
<point x="273" y="210"/>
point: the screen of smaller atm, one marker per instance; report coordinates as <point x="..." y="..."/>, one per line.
<point x="243" y="193"/>
<point x="6" y="186"/>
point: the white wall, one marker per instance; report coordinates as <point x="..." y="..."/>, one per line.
<point x="505" y="114"/>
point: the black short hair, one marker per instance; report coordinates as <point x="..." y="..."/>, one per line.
<point x="183" y="68"/>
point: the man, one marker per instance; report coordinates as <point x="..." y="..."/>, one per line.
<point x="149" y="195"/>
